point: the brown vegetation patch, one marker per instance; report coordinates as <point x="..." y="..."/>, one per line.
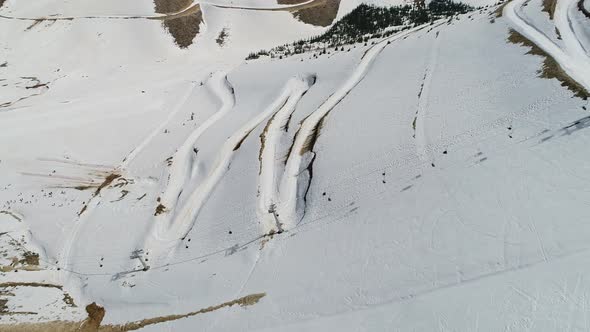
<point x="30" y="258"/>
<point x="263" y="142"/>
<point x="184" y="26"/>
<point x="184" y="29"/>
<point x="550" y="68"/>
<point x="107" y="181"/>
<point x="28" y="284"/>
<point x="549" y="7"/>
<point x="320" y="13"/>
<point x="97" y="313"/>
<point x="220" y="40"/>
<point x="161" y="208"/>
<point x="313" y="136"/>
<point x="171" y="6"/>
<point x="69" y="300"/>
<point x="2" y="3"/>
<point x="242" y="140"/>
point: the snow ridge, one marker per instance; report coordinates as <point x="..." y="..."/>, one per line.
<point x="167" y="230"/>
<point x="296" y="178"/>
<point x="184" y="158"/>
<point x="572" y="58"/>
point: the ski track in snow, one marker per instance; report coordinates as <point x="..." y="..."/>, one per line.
<point x="271" y="166"/>
<point x="139" y="148"/>
<point x="564" y="25"/>
<point x="421" y="134"/>
<point x="184" y="158"/>
<point x="95" y="200"/>
<point x="291" y="206"/>
<point x="572" y="58"/>
<point x="172" y="229"/>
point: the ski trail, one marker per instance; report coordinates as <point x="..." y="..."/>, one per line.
<point x="420" y="120"/>
<point x="291" y="205"/>
<point x="139" y="148"/>
<point x="183" y="159"/>
<point x="95" y="200"/>
<point x="563" y="24"/>
<point x="577" y="68"/>
<point x="166" y="230"/>
<point x="270" y="163"/>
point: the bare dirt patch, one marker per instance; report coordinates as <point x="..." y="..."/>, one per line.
<point x="107" y="181"/>
<point x="184" y="26"/>
<point x="161" y="208"/>
<point x="220" y="40"/>
<point x="320" y="13"/>
<point x="239" y="145"/>
<point x="549" y="7"/>
<point x="313" y="136"/>
<point x="97" y="313"/>
<point x="29" y="284"/>
<point x="550" y="68"/>
<point x="171" y="6"/>
<point x="184" y="29"/>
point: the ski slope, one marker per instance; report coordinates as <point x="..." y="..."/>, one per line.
<point x="431" y="180"/>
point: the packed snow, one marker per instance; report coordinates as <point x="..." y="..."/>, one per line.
<point x="433" y="179"/>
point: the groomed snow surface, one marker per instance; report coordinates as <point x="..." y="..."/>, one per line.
<point x="428" y="181"/>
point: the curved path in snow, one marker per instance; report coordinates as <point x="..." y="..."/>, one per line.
<point x="571" y="58"/>
<point x="563" y="23"/>
<point x="158" y="130"/>
<point x="174" y="228"/>
<point x="291" y="205"/>
<point x="183" y="159"/>
<point x="271" y="165"/>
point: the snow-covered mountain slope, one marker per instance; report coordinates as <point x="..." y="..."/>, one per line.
<point x="431" y="178"/>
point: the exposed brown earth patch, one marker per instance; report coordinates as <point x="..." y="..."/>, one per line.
<point x="107" y="181"/>
<point x="550" y="68"/>
<point x="549" y="7"/>
<point x="161" y="208"/>
<point x="317" y="12"/>
<point x="171" y="6"/>
<point x="239" y="145"/>
<point x="184" y="26"/>
<point x="220" y="40"/>
<point x="96" y="315"/>
<point x="320" y="13"/>
<point x="312" y="138"/>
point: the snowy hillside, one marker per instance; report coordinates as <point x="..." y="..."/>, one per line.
<point x="430" y="174"/>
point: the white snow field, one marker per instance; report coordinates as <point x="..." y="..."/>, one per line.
<point x="437" y="179"/>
